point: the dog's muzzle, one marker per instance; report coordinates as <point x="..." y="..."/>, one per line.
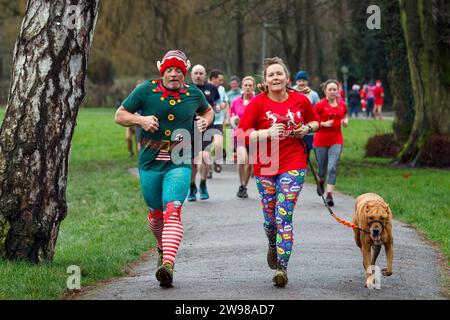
<point x="375" y="233"/>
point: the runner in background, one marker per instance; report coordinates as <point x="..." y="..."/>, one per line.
<point x="236" y="112"/>
<point x="301" y="81"/>
<point x="354" y="99"/>
<point x="379" y="100"/>
<point x="328" y="141"/>
<point x="216" y="78"/>
<point x="202" y="158"/>
<point x="370" y="98"/>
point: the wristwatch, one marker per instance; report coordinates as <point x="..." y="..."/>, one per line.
<point x="310" y="128"/>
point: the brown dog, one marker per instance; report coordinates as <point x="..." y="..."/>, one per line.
<point x="372" y="213"/>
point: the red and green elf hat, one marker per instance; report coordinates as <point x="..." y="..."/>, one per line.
<point x="174" y="58"/>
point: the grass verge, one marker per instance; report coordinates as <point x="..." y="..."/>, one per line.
<point x="105" y="226"/>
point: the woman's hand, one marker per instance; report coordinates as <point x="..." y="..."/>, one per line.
<point x="327" y="124"/>
<point x="202" y="123"/>
<point x="276" y="130"/>
<point x="234" y="121"/>
<point x="149" y="123"/>
<point x="301" y="132"/>
<point x="345" y="122"/>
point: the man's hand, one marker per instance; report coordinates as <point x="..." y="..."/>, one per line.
<point x="305" y="90"/>
<point x="202" y="123"/>
<point x="149" y="123"/>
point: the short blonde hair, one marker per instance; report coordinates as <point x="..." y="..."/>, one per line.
<point x="249" y="78"/>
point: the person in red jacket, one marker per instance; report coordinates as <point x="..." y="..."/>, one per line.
<point x="378" y="92"/>
<point x="274" y="123"/>
<point x="328" y="141"/>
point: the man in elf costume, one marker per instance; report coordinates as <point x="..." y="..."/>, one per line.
<point x="168" y="107"/>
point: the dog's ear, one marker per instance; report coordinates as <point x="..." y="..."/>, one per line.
<point x="389" y="211"/>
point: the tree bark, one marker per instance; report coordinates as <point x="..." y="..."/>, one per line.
<point x="429" y="68"/>
<point x="47" y="88"/>
<point x="240" y="28"/>
<point x="398" y="76"/>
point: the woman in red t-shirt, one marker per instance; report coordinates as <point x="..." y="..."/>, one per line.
<point x="378" y="92"/>
<point x="274" y="124"/>
<point x="328" y="141"/>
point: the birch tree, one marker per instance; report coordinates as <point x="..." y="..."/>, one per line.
<point x="47" y="88"/>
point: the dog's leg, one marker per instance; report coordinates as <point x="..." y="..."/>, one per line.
<point x="389" y="248"/>
<point x="375" y="252"/>
<point x="366" y="261"/>
<point x="357" y="238"/>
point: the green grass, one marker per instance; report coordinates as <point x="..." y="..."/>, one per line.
<point x="416" y="196"/>
<point x="105" y="226"/>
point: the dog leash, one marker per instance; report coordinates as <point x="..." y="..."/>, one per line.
<point x="341" y="221"/>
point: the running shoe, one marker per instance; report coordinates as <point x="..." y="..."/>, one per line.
<point x="165" y="275"/>
<point x="192" y="196"/>
<point x="217" y="167"/>
<point x="240" y="194"/>
<point x="244" y="193"/>
<point x="203" y="192"/>
<point x="272" y="258"/>
<point x="280" y="279"/>
<point x="330" y="201"/>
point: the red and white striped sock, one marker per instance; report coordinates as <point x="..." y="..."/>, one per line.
<point x="156" y="225"/>
<point x="172" y="232"/>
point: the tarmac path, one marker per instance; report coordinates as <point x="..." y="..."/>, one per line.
<point x="223" y="255"/>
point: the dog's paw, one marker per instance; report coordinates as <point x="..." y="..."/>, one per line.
<point x="371" y="283"/>
<point x="386" y="273"/>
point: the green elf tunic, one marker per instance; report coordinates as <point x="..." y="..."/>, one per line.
<point x="175" y="110"/>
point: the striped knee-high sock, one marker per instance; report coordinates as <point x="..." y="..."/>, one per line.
<point x="156" y="225"/>
<point x="172" y="232"/>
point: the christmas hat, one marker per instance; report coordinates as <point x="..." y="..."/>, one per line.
<point x="174" y="58"/>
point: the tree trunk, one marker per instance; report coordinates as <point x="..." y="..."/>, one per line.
<point x="291" y="38"/>
<point x="47" y="88"/>
<point x="308" y="60"/>
<point x="240" y="44"/>
<point x="398" y="75"/>
<point x="429" y="68"/>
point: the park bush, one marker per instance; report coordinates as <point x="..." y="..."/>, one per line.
<point x="382" y="146"/>
<point x="436" y="151"/>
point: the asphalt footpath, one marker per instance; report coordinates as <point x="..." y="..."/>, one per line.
<point x="223" y="255"/>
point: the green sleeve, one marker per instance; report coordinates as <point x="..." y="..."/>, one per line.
<point x="133" y="102"/>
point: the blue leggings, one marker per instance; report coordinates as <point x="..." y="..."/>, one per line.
<point x="162" y="187"/>
<point x="279" y="195"/>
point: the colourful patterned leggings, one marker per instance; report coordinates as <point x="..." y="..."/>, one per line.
<point x="279" y="196"/>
